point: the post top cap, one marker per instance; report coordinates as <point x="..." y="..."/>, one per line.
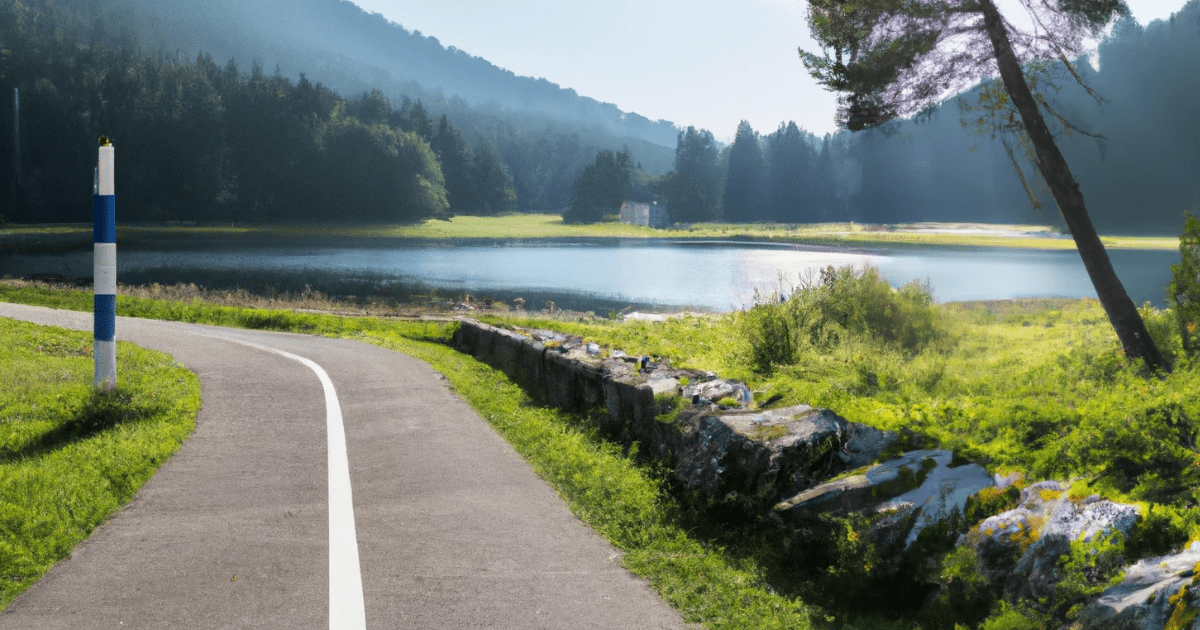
<point x="104" y="141"/>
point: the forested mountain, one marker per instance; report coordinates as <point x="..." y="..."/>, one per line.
<point x="350" y="50"/>
<point x="119" y="67"/>
<point x="196" y="140"/>
<point x="320" y="133"/>
<point x="545" y="134"/>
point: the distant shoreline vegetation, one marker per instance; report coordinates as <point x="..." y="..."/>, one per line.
<point x="547" y="226"/>
<point x="208" y="132"/>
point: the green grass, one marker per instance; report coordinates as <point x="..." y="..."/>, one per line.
<point x="535" y="226"/>
<point x="70" y="456"/>
<point x="1034" y="385"/>
<point x="1037" y="386"/>
<point x="625" y="503"/>
<point x="708" y="574"/>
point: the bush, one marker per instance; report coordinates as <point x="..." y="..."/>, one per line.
<point x="771" y="330"/>
<point x="1164" y="529"/>
<point x="859" y="303"/>
<point x="1183" y="294"/>
<point x="1163" y="327"/>
<point x="840" y="305"/>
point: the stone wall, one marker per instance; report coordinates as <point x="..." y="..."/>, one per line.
<point x="802" y="463"/>
<point x="718" y="450"/>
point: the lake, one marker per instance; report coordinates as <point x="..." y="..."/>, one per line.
<point x="711" y="275"/>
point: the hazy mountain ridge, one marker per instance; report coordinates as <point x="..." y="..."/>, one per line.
<point x="351" y="50"/>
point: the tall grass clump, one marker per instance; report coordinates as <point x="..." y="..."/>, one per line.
<point x="840" y="305"/>
<point x="1183" y="294"/>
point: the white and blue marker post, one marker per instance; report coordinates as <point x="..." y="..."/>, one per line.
<point x="104" y="216"/>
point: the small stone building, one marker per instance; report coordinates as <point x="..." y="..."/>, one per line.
<point x="652" y="215"/>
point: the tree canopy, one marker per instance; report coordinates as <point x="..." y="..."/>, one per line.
<point x="693" y="189"/>
<point x="743" y="199"/>
<point x="601" y="188"/>
<point x="891" y="58"/>
<point x="789" y="175"/>
<point x="895" y="58"/>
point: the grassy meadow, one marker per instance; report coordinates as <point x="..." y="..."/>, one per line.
<point x="1038" y="387"/>
<point x="70" y="456"/>
<point x="551" y="226"/>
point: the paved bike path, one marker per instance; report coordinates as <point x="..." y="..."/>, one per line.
<point x="454" y="530"/>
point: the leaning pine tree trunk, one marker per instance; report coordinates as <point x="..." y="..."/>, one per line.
<point x="1123" y="315"/>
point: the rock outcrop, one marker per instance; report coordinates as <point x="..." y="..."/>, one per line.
<point x="764" y="455"/>
<point x="1019" y="550"/>
<point x="900" y="497"/>
<point x="809" y="463"/>
<point x="1155" y="591"/>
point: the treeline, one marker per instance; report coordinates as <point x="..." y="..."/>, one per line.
<point x="1134" y="146"/>
<point x="777" y="178"/>
<point x="202" y="141"/>
<point x="543" y="133"/>
<point x="367" y="50"/>
<point x="199" y="141"/>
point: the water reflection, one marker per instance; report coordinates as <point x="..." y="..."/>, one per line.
<point x="717" y="275"/>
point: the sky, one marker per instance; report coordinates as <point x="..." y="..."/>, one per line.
<point x="707" y="63"/>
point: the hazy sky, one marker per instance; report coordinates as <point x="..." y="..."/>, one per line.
<point x="708" y="63"/>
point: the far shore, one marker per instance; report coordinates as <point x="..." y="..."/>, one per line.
<point x="17" y="237"/>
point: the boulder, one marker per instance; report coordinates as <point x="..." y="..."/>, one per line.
<point x="720" y="389"/>
<point x="943" y="492"/>
<point x="1020" y="548"/>
<point x="1153" y="592"/>
<point x="662" y="384"/>
<point x="914" y="491"/>
<point x="763" y="455"/>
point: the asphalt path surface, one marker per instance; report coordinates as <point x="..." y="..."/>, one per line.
<point x="452" y="528"/>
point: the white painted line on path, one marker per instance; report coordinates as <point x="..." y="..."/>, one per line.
<point x="347" y="610"/>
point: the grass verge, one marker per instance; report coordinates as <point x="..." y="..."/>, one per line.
<point x="1036" y="386"/>
<point x="1039" y="386"/>
<point x="708" y="582"/>
<point x="71" y="456"/>
<point x="539" y="226"/>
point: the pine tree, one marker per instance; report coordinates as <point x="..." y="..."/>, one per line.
<point x="457" y="160"/>
<point x="891" y="59"/>
<point x="824" y="199"/>
<point x="601" y="188"/>
<point x="493" y="184"/>
<point x="745" y="179"/>
<point x="693" y="189"/>
<point x="789" y="175"/>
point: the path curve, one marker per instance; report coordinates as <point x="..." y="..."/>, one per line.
<point x="454" y="528"/>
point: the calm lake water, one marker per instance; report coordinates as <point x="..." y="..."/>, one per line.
<point x="709" y="275"/>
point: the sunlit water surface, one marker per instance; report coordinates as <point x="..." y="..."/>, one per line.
<point x="710" y="275"/>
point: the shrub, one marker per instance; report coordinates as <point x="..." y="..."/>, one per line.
<point x="1163" y="529"/>
<point x="771" y="330"/>
<point x="668" y="406"/>
<point x="840" y="305"/>
<point x="845" y="302"/>
<point x="1163" y="327"/>
<point x="1183" y="293"/>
